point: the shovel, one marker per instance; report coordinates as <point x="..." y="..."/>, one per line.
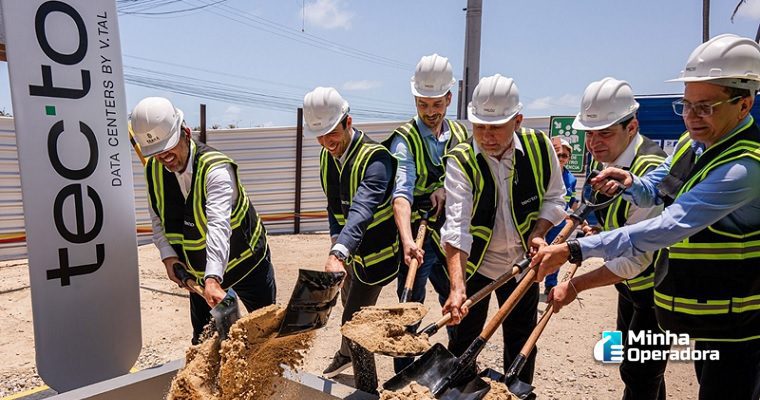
<point x="314" y="296"/>
<point x="412" y="273"/>
<point x="225" y="313"/>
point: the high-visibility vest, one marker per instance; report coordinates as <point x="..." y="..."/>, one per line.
<point x="184" y="220"/>
<point x="708" y="285"/>
<point x="377" y="259"/>
<point x="648" y="156"/>
<point x="527" y="186"/>
<point x="430" y="174"/>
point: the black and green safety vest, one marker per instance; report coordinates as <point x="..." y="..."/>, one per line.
<point x="648" y="156"/>
<point x="430" y="174"/>
<point x="527" y="186"/>
<point x="184" y="220"/>
<point x="377" y="259"/>
<point x="708" y="285"/>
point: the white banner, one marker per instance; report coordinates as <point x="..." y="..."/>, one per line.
<point x="67" y="86"/>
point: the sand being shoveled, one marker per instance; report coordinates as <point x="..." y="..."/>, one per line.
<point x="383" y="329"/>
<point x="499" y="391"/>
<point x="246" y="365"/>
<point x="412" y="391"/>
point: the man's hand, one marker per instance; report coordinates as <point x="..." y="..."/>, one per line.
<point x="169" y="264"/>
<point x="333" y="264"/>
<point x="609" y="180"/>
<point x="536" y="242"/>
<point x="561" y="295"/>
<point x="438" y="200"/>
<point x="453" y="305"/>
<point x="411" y="251"/>
<point x="213" y="292"/>
<point x="549" y="259"/>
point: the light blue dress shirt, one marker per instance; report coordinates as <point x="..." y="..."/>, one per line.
<point x="729" y="188"/>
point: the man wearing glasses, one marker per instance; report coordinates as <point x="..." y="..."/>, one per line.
<point x="202" y="217"/>
<point x="707" y="279"/>
<point x="608" y="115"/>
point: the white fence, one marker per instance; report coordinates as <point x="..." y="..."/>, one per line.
<point x="267" y="163"/>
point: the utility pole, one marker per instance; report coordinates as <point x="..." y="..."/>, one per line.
<point x="471" y="52"/>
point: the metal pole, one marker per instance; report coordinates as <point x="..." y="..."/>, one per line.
<point x="299" y="156"/>
<point x="471" y="50"/>
<point x="705" y="20"/>
<point x="460" y="116"/>
<point x="203" y="124"/>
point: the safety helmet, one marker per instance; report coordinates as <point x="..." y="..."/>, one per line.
<point x="565" y="143"/>
<point x="156" y="124"/>
<point x="433" y="77"/>
<point x="605" y="103"/>
<point x="323" y="109"/>
<point x="495" y="101"/>
<point x="726" y="60"/>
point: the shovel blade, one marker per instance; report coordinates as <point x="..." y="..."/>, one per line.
<point x="433" y="370"/>
<point x="313" y="298"/>
<point x="226" y="313"/>
<point x="474" y="389"/>
<point x="518" y="388"/>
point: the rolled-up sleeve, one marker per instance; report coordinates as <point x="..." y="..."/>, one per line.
<point x="456" y="229"/>
<point x="406" y="171"/>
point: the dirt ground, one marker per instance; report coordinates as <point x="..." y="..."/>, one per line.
<point x="565" y="368"/>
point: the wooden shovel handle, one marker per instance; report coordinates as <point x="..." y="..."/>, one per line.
<point x="193" y="285"/>
<point x="413" y="265"/>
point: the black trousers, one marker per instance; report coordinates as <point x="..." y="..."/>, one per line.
<point x="516" y="328"/>
<point x="256" y="290"/>
<point x="645" y="381"/>
<point x="735" y="376"/>
<point x="355" y="294"/>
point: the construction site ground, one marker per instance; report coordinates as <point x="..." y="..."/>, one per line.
<point x="565" y="367"/>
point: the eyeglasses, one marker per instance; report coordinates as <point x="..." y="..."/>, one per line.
<point x="682" y="107"/>
<point x="563" y="155"/>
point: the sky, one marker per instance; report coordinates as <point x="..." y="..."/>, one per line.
<point x="251" y="62"/>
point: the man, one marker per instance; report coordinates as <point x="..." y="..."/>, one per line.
<point x="608" y="115"/>
<point x="202" y="217"/>
<point x="357" y="178"/>
<point x="564" y="151"/>
<point x="419" y="146"/>
<point x="504" y="192"/>
<point x="706" y="280"/>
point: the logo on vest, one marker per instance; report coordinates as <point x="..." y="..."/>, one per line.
<point x="190" y="224"/>
<point x="529" y="200"/>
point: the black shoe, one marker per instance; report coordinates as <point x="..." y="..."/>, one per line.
<point x="338" y="364"/>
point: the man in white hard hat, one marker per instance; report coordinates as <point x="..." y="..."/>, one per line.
<point x="608" y="115"/>
<point x="202" y="217"/>
<point x="419" y="146"/>
<point x="357" y="178"/>
<point x="564" y="151"/>
<point x="707" y="281"/>
<point x="504" y="192"/>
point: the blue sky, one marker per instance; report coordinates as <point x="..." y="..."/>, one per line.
<point x="251" y="64"/>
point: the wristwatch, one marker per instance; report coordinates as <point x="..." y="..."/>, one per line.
<point x="339" y="255"/>
<point x="217" y="278"/>
<point x="575" y="251"/>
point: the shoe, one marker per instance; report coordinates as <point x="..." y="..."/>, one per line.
<point x="338" y="364"/>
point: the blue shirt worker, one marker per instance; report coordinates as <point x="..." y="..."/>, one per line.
<point x="564" y="151"/>
<point x="707" y="277"/>
<point x="419" y="146"/>
<point x="505" y="192"/>
<point x="357" y="177"/>
<point x="202" y="217"/>
<point x="608" y="115"/>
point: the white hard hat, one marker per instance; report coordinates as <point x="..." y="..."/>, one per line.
<point x="495" y="101"/>
<point x="727" y="60"/>
<point x="156" y="124"/>
<point x="565" y="143"/>
<point x="433" y="77"/>
<point x="605" y="103"/>
<point x="323" y="109"/>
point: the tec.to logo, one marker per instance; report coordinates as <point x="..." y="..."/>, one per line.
<point x="609" y="349"/>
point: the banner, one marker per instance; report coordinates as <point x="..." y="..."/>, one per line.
<point x="67" y="87"/>
<point x="562" y="127"/>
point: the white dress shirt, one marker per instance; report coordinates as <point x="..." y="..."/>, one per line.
<point x="624" y="267"/>
<point x="221" y="192"/>
<point x="505" y="247"/>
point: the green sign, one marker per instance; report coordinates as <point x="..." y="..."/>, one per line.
<point x="562" y="127"/>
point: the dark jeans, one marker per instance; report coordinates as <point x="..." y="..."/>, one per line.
<point x="256" y="290"/>
<point x="432" y="268"/>
<point x="735" y="376"/>
<point x="642" y="380"/>
<point x="516" y="328"/>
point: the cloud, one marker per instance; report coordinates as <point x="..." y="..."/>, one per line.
<point x="327" y="14"/>
<point x="750" y="10"/>
<point x="361" y="85"/>
<point x="564" y="101"/>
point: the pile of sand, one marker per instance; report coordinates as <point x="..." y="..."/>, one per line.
<point x="383" y="329"/>
<point x="499" y="391"/>
<point x="412" y="391"/>
<point x="246" y="366"/>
